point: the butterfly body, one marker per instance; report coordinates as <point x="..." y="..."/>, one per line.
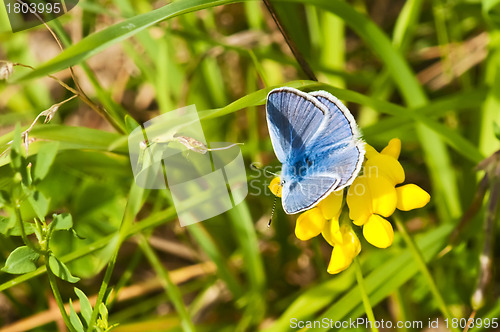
<point x="316" y="139"/>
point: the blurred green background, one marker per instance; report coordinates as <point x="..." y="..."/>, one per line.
<point x="427" y="72"/>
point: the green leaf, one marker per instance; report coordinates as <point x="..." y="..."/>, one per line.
<point x="61" y="270"/>
<point x="71" y="138"/>
<point x="44" y="159"/>
<point x="103" y="311"/>
<point x="62" y="221"/>
<point x="130" y="123"/>
<point x="259" y="98"/>
<point x="8" y="226"/>
<point x="74" y="319"/>
<point x="21" y="260"/>
<point x="85" y="306"/>
<point x="39" y="203"/>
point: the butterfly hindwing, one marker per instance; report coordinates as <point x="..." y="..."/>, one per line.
<point x="301" y="195"/>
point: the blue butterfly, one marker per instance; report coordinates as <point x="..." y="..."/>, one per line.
<point x="317" y="140"/>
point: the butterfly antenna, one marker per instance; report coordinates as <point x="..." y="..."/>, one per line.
<point x="265" y="170"/>
<point x="272" y="212"/>
<point x="257" y="167"/>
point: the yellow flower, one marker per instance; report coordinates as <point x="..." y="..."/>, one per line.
<point x="371" y="198"/>
<point x="324" y="219"/>
<point x="374" y="195"/>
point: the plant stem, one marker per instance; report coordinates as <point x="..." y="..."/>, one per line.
<point x="296" y="53"/>
<point x="364" y="295"/>
<point x="19" y="220"/>
<point x="57" y="294"/>
<point x="491" y="166"/>
<point x="417" y="255"/>
<point x="102" y="290"/>
<point x="485" y="275"/>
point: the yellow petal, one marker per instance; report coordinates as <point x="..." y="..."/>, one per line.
<point x="343" y="254"/>
<point x="393" y="149"/>
<point x="378" y="232"/>
<point x="275" y="187"/>
<point x="385" y="165"/>
<point x="384" y="196"/>
<point x="370" y="151"/>
<point x="411" y="196"/>
<point x="351" y="239"/>
<point x="331" y="206"/>
<point x="359" y="200"/>
<point x="340" y="260"/>
<point x="309" y="224"/>
<point x="331" y="232"/>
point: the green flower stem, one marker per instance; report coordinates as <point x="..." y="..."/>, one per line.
<point x="171" y="289"/>
<point x="57" y="295"/>
<point x="102" y="290"/>
<point x="364" y="295"/>
<point x="417" y="255"/>
<point x="134" y="203"/>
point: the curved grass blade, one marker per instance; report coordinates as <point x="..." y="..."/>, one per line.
<point x="99" y="41"/>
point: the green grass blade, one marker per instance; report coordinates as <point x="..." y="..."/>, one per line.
<point x="244" y="230"/>
<point x="99" y="41"/>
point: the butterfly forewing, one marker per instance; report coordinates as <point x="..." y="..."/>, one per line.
<point x="293" y="118"/>
<point x="338" y="143"/>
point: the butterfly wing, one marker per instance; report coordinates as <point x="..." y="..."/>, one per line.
<point x="293" y="118"/>
<point x="304" y="193"/>
<point x="338" y="147"/>
<point x="316" y="139"/>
